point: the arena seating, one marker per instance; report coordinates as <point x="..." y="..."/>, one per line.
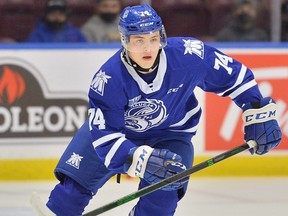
<point x="126" y="3"/>
<point x="197" y="18"/>
<point x="263" y="16"/>
<point x="16" y="18"/>
<point x="81" y="10"/>
<point x="182" y="17"/>
<point x="219" y="14"/>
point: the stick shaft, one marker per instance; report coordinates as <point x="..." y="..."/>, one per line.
<point x="149" y="189"/>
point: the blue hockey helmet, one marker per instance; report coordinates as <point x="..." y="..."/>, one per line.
<point x="140" y="19"/>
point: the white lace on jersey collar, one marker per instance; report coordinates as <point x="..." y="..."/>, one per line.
<point x="157" y="82"/>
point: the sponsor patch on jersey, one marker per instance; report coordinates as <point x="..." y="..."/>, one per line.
<point x="99" y="82"/>
<point x="194" y="46"/>
<point x="74" y="160"/>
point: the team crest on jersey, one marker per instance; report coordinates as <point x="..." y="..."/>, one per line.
<point x="99" y="82"/>
<point x="145" y="114"/>
<point x="194" y="46"/>
<point x="74" y="160"/>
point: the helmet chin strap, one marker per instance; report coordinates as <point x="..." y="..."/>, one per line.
<point x="137" y="67"/>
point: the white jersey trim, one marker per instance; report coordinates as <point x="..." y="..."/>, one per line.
<point x="106" y="138"/>
<point x="242" y="89"/>
<point x="157" y="82"/>
<point x="189" y="130"/>
<point x="113" y="150"/>
<point x="238" y="81"/>
<point x="187" y="116"/>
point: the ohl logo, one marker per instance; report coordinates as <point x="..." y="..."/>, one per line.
<point x="29" y="110"/>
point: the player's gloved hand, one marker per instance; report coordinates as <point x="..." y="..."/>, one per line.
<point x="154" y="165"/>
<point x="260" y="125"/>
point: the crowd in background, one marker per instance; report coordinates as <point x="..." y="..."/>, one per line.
<point x="97" y="20"/>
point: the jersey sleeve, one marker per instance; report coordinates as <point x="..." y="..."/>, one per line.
<point x="106" y="120"/>
<point x="226" y="76"/>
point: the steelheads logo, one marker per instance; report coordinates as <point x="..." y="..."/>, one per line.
<point x="145" y="114"/>
<point x="29" y="110"/>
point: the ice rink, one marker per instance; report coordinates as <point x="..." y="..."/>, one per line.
<point x="205" y="196"/>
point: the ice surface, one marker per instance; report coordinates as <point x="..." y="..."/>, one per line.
<point x="205" y="197"/>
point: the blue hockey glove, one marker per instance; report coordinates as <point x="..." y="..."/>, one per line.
<point x="260" y="125"/>
<point x="154" y="165"/>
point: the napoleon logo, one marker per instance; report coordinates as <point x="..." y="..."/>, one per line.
<point x="74" y="160"/>
<point x="12" y="86"/>
<point x="145" y="114"/>
<point x="28" y="110"/>
<point x="194" y="46"/>
<point x="99" y="81"/>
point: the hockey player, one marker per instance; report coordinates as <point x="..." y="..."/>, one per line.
<point x="143" y="114"/>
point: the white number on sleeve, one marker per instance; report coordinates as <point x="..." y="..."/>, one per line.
<point x="223" y="60"/>
<point x="96" y="117"/>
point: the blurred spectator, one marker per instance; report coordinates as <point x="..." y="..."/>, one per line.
<point x="54" y="27"/>
<point x="243" y="27"/>
<point x="284" y="22"/>
<point x="103" y="25"/>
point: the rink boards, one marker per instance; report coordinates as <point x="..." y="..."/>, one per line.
<point x="44" y="102"/>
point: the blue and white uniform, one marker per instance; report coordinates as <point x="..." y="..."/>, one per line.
<point x="123" y="107"/>
<point x="125" y="111"/>
<point x="132" y="113"/>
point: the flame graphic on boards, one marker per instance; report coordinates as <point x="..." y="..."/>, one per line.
<point x="12" y="86"/>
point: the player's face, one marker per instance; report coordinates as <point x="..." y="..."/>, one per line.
<point x="143" y="49"/>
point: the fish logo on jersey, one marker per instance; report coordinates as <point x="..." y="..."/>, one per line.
<point x="99" y="81"/>
<point x="74" y="160"/>
<point x="145" y="114"/>
<point x="194" y="46"/>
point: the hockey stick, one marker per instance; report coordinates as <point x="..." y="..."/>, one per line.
<point x="149" y="189"/>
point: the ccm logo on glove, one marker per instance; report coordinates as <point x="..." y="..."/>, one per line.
<point x="261" y="125"/>
<point x="266" y="113"/>
<point x="140" y="159"/>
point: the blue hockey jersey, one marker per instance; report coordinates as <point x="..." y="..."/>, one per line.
<point x="123" y="107"/>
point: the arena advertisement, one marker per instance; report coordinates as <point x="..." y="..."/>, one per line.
<point x="29" y="110"/>
<point x="43" y="98"/>
<point x="224" y="127"/>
